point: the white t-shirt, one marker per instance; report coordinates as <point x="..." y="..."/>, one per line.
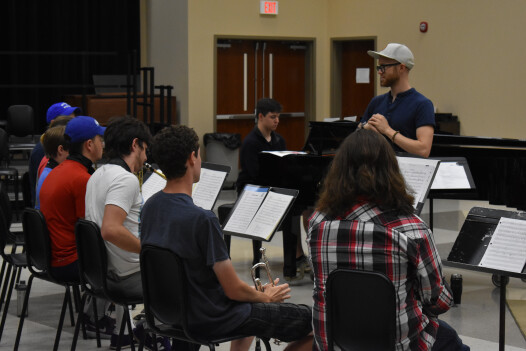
<point x="113" y="185"/>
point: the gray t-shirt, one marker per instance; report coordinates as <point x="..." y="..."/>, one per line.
<point x="174" y="222"/>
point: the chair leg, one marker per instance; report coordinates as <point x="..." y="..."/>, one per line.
<point x="130" y="329"/>
<point x="267" y="344"/>
<point x="18" y="274"/>
<point x="70" y="305"/>
<point x="4" y="286"/>
<point x="80" y="320"/>
<point x="65" y="303"/>
<point x="8" y="300"/>
<point x="121" y="330"/>
<point x="96" y="316"/>
<point x="76" y="297"/>
<point x="4" y="263"/>
<point x="23" y="316"/>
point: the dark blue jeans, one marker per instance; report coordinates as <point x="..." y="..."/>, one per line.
<point x="447" y="339"/>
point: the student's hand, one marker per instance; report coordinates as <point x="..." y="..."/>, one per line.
<point x="277" y="293"/>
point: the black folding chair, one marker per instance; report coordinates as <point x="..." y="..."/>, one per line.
<point x="361" y="310"/>
<point x="166" y="296"/>
<point x="93" y="264"/>
<point x="38" y="254"/>
<point x="11" y="266"/>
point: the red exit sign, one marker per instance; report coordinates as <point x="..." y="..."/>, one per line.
<point x="268" y="7"/>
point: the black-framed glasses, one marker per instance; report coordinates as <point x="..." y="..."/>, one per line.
<point x="381" y="68"/>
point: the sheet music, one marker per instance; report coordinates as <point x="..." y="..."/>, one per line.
<point x="204" y="192"/>
<point x="418" y="174"/>
<point x="285" y="153"/>
<point x="269" y="215"/>
<point x="247" y="206"/>
<point x="451" y="175"/>
<point x="152" y="185"/>
<point x="507" y="249"/>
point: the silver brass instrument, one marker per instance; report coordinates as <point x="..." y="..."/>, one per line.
<point x="259" y="286"/>
<point x="263" y="264"/>
<point x="150" y="168"/>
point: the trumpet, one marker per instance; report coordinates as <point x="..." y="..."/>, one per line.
<point x="263" y="264"/>
<point x="259" y="286"/>
<point x="150" y="168"/>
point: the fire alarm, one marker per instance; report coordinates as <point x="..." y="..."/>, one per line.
<point x="423" y="27"/>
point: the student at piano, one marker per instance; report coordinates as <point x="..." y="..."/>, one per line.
<point x="364" y="220"/>
<point x="265" y="138"/>
<point x="402" y="115"/>
<point x="220" y="304"/>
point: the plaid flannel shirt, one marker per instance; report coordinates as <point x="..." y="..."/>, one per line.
<point x="402" y="247"/>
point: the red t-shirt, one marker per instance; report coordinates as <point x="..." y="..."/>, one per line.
<point x="62" y="202"/>
<point x="42" y="165"/>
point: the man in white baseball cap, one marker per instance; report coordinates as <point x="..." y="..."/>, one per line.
<point x="402" y="115"/>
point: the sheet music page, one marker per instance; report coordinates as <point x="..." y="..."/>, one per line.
<point x="285" y="153"/>
<point x="418" y="174"/>
<point x="507" y="249"/>
<point x="246" y="208"/>
<point x="269" y="215"/>
<point x="451" y="175"/>
<point x="205" y="191"/>
<point x="152" y="185"/>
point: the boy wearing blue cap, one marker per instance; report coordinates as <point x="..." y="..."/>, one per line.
<point x="63" y="192"/>
<point x="37" y="159"/>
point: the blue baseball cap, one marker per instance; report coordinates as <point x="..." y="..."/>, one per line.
<point x="60" y="109"/>
<point x="82" y="128"/>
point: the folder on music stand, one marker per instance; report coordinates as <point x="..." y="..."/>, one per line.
<point x="259" y="212"/>
<point x="204" y="193"/>
<point x="492" y="241"/>
<point x="418" y="174"/>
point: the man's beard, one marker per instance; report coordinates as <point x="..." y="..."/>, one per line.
<point x="389" y="81"/>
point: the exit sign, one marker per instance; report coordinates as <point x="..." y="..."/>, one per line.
<point x="268" y="7"/>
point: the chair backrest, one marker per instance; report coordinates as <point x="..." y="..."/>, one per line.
<point x="361" y="310"/>
<point x="165" y="298"/>
<point x="4" y="148"/>
<point x="20" y="120"/>
<point x="5" y="205"/>
<point x="92" y="256"/>
<point x="3" y="233"/>
<point x="37" y="241"/>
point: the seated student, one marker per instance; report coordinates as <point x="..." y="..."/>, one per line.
<point x="37" y="159"/>
<point x="62" y="197"/>
<point x="265" y="138"/>
<point x="220" y="303"/>
<point x="114" y="201"/>
<point x="364" y="219"/>
<point x="56" y="149"/>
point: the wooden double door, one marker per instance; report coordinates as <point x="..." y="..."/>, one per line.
<point x="248" y="70"/>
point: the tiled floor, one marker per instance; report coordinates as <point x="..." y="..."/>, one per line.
<point x="476" y="319"/>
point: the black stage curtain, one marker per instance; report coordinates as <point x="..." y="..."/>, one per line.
<point x="40" y="44"/>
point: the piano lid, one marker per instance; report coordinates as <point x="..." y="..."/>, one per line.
<point x="325" y="137"/>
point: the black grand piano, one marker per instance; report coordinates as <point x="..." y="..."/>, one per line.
<point x="498" y="166"/>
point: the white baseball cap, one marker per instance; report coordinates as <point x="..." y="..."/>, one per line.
<point x="398" y="52"/>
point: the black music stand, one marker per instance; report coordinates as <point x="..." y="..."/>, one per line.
<point x="471" y="245"/>
<point x="444" y="187"/>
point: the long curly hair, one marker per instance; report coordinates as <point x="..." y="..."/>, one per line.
<point x="364" y="168"/>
